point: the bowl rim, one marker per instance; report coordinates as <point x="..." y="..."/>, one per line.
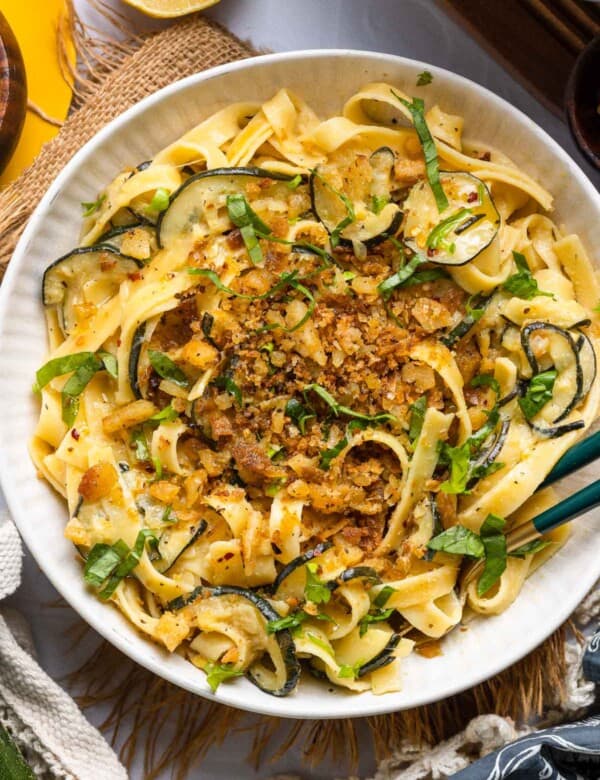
<point x="226" y="694"/>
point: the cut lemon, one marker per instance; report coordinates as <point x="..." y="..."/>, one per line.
<point x="167" y="9"/>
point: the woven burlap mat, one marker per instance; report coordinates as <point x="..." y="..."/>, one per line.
<point x="115" y="76"/>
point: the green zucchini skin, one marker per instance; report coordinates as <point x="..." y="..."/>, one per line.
<point x="64" y="275"/>
<point x="202" y="526"/>
<point x="284" y="637"/>
<point x="490" y="454"/>
<point x="134" y="359"/>
<point x="464" y="326"/>
<point x="360" y="572"/>
<point x="585" y="373"/>
<point x="437" y="524"/>
<point x="114" y="236"/>
<point x="526" y="334"/>
<point x="383" y="658"/>
<point x="260" y="173"/>
<point x="299" y="561"/>
<point x="388" y="230"/>
<point x="559" y="430"/>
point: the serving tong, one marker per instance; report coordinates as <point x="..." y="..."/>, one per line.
<point x="582" y="454"/>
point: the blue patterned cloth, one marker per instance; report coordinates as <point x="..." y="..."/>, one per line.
<point x="567" y="752"/>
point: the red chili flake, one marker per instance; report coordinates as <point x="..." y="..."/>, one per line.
<point x="228" y="556"/>
<point x="118" y="342"/>
<point x="135" y="277"/>
<point x="486" y="156"/>
<point x="430" y="252"/>
<point x="472" y="197"/>
<point x="75" y="434"/>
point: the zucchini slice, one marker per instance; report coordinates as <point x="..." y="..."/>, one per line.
<point x="468" y="321"/>
<point x="462" y="231"/>
<point x="85" y="275"/>
<point x="139" y="364"/>
<point x="137" y="240"/>
<point x="360" y="572"/>
<point x="366" y="227"/>
<point x="573" y="357"/>
<point x="283" y="638"/>
<point x="490" y="453"/>
<point x="382" y="165"/>
<point x="385" y="657"/>
<point x="300" y="560"/>
<point x="174" y="542"/>
<point x="202" y="197"/>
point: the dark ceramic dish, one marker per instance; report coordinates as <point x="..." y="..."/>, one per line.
<point x="13" y="92"/>
<point x="582" y="102"/>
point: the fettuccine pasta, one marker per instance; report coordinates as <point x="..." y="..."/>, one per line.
<point x="300" y="370"/>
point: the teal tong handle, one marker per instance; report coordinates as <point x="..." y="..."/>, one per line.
<point x="577" y="457"/>
<point x="585" y="499"/>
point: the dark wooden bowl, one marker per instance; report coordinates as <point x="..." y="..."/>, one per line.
<point x="13" y="92"/>
<point x="582" y="101"/>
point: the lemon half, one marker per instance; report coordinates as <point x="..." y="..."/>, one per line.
<point x="167" y="9"/>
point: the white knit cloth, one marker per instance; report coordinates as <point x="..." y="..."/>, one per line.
<point x="46" y="724"/>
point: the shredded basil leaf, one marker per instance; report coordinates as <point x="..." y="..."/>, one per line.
<point x="74" y="387"/>
<point x="58" y="367"/>
<point x="168" y="414"/>
<point x="424" y="78"/>
<point x="84" y="366"/>
<point x="107" y="565"/>
<point x="458" y="540"/>
<point x="489" y="544"/>
<point x="338" y="409"/>
<point x="382" y="598"/>
<point x="224" y="382"/>
<point x="374" y="616"/>
<point x="378" y="203"/>
<point x="328" y="455"/>
<point x="350" y="671"/>
<point x="160" y="200"/>
<point x="218" y="673"/>
<point x="298" y="413"/>
<point x="315" y="589"/>
<point x="428" y="275"/>
<point x="158" y="468"/>
<point x="538" y="393"/>
<point x="474" y="313"/>
<point x="522" y="284"/>
<point x="437" y="238"/>
<point x="167" y="369"/>
<point x="417" y="417"/>
<point x="295" y="182"/>
<point x="486" y="380"/>
<point x="325" y="646"/>
<point x="399" y="278"/>
<point x="274" y="487"/>
<point x="91" y="207"/>
<point x="101" y="561"/>
<point x="247" y="220"/>
<point x="417" y="112"/>
<point x="494" y="543"/>
<point x="140" y="443"/>
<point x="109" y="362"/>
<point x="290" y="621"/>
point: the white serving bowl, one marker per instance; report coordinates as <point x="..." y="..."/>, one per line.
<point x="325" y="79"/>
